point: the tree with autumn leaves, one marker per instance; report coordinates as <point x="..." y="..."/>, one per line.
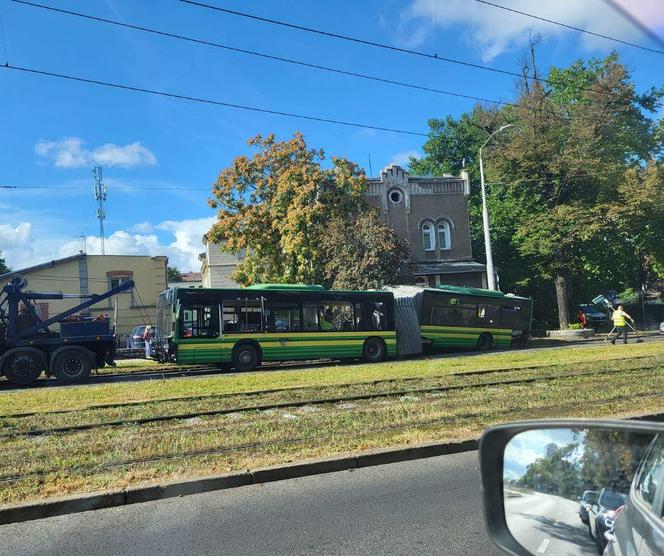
<point x="299" y="222"/>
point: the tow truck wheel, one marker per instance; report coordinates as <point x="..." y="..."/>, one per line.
<point x="71" y="365"/>
<point x="22" y="366"/>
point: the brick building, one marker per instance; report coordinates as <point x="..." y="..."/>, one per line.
<point x="431" y="213"/>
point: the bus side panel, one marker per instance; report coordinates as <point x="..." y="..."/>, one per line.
<point x="314" y="345"/>
<point x="464" y="337"/>
<point x="200" y="350"/>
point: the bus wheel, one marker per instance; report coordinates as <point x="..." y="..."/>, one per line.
<point x="374" y="350"/>
<point x="22" y="366"/>
<point x="72" y="365"/>
<point x="485" y="342"/>
<point x="245" y="357"/>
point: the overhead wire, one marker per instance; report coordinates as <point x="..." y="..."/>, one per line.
<point x="635" y="21"/>
<point x="567" y="26"/>
<point x="258" y="54"/>
<point x="372" y="43"/>
<point x="270" y="57"/>
<point x="133" y="88"/>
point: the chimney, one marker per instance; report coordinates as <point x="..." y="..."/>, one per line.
<point x="466" y="182"/>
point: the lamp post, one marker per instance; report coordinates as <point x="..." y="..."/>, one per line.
<point x="490" y="273"/>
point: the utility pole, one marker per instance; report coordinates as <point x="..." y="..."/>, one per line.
<point x="84" y="238"/>
<point x="101" y="192"/>
<point x="490" y="272"/>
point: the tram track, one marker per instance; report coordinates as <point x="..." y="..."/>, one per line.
<point x="294" y="440"/>
<point x="247" y="393"/>
<point x="311" y="402"/>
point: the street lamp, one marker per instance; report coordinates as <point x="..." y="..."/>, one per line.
<point x="490" y="274"/>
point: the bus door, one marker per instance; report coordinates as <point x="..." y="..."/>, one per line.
<point x="199" y="333"/>
<point x="283" y="327"/>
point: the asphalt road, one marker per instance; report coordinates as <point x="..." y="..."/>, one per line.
<point x="429" y="506"/>
<point x="547" y="524"/>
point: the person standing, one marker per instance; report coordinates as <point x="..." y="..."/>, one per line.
<point x="620" y="318"/>
<point x="147" y="338"/>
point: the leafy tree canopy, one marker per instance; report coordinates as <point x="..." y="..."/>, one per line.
<point x="286" y="211"/>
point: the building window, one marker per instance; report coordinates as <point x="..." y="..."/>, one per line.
<point x="117" y="281"/>
<point x="396" y="196"/>
<point x="428" y="237"/>
<point x="422" y="281"/>
<point x="444" y="235"/>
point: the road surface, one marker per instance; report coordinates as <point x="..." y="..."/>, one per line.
<point x="547" y="524"/>
<point x="429" y="506"/>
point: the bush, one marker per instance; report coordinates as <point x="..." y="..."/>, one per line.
<point x="575" y="326"/>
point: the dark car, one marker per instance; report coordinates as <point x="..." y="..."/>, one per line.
<point x="639" y="526"/>
<point x="595" y="317"/>
<point x="602" y="514"/>
<point x="587" y="499"/>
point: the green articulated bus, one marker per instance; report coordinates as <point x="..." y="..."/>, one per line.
<point x="275" y="322"/>
<point x="457" y="317"/>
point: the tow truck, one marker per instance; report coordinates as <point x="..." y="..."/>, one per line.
<point x="29" y="347"/>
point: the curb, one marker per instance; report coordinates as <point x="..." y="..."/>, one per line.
<point x="135" y="495"/>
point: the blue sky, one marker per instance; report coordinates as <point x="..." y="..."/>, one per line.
<point x="53" y="132"/>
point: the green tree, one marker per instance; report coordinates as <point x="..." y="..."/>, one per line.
<point x="3" y="265"/>
<point x="173" y="274"/>
<point x="280" y="204"/>
<point x="363" y="252"/>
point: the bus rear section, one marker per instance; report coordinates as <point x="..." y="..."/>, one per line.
<point x="244" y="327"/>
<point x="472" y="318"/>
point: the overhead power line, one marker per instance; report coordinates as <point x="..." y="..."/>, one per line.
<point x="359" y="40"/>
<point x="167" y="94"/>
<point x="572" y="27"/>
<point x="259" y="54"/>
<point x="636" y="21"/>
<point x="119" y="189"/>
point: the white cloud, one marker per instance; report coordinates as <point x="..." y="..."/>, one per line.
<point x="495" y="31"/>
<point x="142" y="228"/>
<point x="70" y="152"/>
<point x="188" y="244"/>
<point x="403" y="158"/>
<point x="182" y="252"/>
<point x="15" y="242"/>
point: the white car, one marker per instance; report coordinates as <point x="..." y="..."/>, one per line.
<point x="661" y="327"/>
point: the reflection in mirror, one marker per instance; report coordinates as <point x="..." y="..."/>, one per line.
<point x="564" y="488"/>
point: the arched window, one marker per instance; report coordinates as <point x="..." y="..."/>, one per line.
<point x="428" y="237"/>
<point x="444" y="235"/>
<point x="422" y="281"/>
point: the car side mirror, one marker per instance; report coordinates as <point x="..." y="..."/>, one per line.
<point x="532" y="474"/>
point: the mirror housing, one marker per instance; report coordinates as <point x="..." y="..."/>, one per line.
<point x="491" y="454"/>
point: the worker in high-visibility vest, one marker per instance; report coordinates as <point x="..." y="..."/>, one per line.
<point x="620" y="318"/>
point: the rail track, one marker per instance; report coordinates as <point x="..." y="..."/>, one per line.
<point x="297" y="403"/>
<point x="90" y="471"/>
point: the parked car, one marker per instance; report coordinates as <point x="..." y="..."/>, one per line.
<point x="595" y="317"/>
<point x="661" y="327"/>
<point x="136" y="338"/>
<point x="602" y="513"/>
<point x="588" y="498"/>
<point x="639" y="527"/>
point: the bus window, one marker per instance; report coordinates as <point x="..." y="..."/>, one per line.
<point x="377" y="314"/>
<point x="370" y="315"/>
<point x="242" y="316"/>
<point x="487" y="314"/>
<point x="282" y="317"/>
<point x="200" y="321"/>
<point x="335" y="315"/>
<point x="310" y="317"/>
<point x="512" y="316"/>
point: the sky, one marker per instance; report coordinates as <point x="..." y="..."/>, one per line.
<point x="161" y="155"/>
